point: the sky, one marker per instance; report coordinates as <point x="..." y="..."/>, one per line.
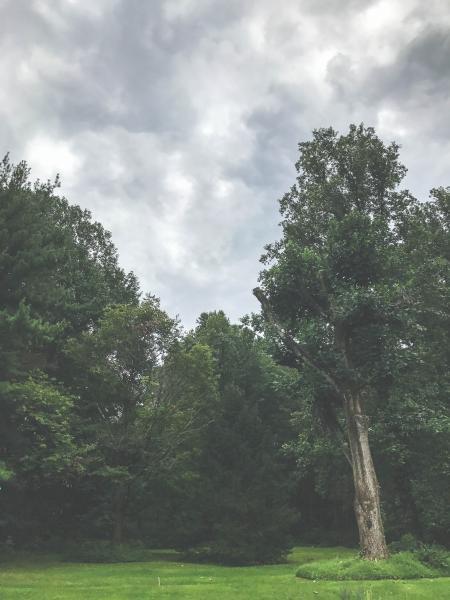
<point x="177" y="122"/>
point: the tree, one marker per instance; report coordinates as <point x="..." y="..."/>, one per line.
<point x="167" y="510"/>
<point x="142" y="397"/>
<point x="336" y="290"/>
<point x="412" y="422"/>
<point x="120" y="408"/>
<point x="58" y="271"/>
<point x="53" y="256"/>
<point x="240" y="505"/>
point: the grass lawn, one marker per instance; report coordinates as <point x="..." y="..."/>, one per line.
<point x="164" y="576"/>
<point x="405" y="565"/>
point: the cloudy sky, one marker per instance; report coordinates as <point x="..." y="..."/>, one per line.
<point x="176" y="122"/>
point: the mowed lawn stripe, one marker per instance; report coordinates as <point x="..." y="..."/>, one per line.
<point x="36" y="578"/>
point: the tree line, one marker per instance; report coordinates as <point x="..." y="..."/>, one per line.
<point x="322" y="419"/>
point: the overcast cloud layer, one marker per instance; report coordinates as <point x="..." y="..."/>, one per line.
<point x="176" y="122"/>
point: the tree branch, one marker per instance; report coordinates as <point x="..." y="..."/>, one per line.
<point x="299" y="350"/>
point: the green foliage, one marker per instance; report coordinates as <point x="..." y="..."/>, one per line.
<point x="53" y="255"/>
<point x="435" y="556"/>
<point x="111" y="419"/>
<point x="40" y="443"/>
<point x="5" y="472"/>
<point x="431" y="555"/>
<point x="360" y="281"/>
<point x="123" y="400"/>
<point x="58" y="271"/>
<point x="407" y="543"/>
<point x="335" y="273"/>
<point x="237" y="495"/>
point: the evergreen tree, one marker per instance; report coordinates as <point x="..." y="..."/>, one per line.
<point x="242" y="500"/>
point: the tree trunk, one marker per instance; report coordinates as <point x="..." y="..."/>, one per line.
<point x="372" y="540"/>
<point x="119" y="502"/>
<point x="367" y="493"/>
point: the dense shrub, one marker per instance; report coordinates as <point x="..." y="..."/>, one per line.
<point x="435" y="556"/>
<point x="431" y="555"/>
<point x="244" y="551"/>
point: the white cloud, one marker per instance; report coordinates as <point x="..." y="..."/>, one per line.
<point x="177" y="123"/>
<point x="49" y="157"/>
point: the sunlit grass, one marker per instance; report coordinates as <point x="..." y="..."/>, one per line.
<point x="167" y="576"/>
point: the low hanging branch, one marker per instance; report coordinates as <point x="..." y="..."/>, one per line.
<point x="303" y="354"/>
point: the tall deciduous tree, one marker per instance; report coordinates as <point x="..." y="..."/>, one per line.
<point x="117" y="364"/>
<point x="336" y="290"/>
<point x="58" y="271"/>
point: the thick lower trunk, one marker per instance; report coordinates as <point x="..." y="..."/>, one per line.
<point x="367" y="494"/>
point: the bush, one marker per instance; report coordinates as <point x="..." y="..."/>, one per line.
<point x="404" y="565"/>
<point x="435" y="556"/>
<point x="239" y="552"/>
<point x="105" y="552"/>
<point x="431" y="555"/>
<point x="407" y="543"/>
<point x="238" y="555"/>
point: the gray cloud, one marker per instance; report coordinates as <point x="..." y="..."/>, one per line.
<point x="177" y="122"/>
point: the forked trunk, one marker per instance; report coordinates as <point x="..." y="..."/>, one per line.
<point x="367" y="494"/>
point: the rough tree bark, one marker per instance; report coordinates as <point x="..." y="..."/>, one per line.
<point x="367" y="492"/>
<point x="367" y="507"/>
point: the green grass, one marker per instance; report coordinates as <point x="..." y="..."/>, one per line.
<point x="165" y="576"/>
<point x="399" y="566"/>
